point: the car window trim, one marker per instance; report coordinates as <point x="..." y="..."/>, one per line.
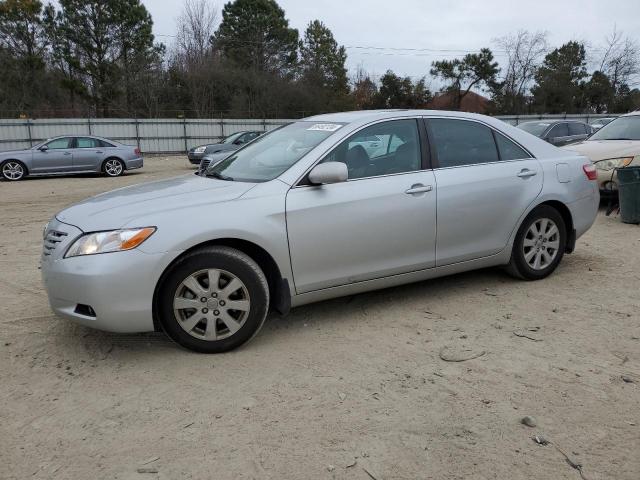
<point x="434" y="153"/>
<point x="298" y="183"/>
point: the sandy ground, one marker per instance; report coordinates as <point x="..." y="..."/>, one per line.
<point x="350" y="388"/>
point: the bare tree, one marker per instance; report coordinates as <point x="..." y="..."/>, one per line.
<point x="196" y="24"/>
<point x="525" y="51"/>
<point x="621" y="60"/>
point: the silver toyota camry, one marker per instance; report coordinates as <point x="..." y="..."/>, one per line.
<point x="314" y="210"/>
<point x="69" y="155"/>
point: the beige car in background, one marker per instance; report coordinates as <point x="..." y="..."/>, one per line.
<point x="616" y="145"/>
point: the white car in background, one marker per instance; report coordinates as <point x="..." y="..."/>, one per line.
<point x="616" y="145"/>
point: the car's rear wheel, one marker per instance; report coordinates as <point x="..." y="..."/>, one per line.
<point x="13" y="170"/>
<point x="113" y="167"/>
<point x="539" y="245"/>
<point x="213" y="300"/>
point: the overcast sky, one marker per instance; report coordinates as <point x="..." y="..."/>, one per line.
<point x="446" y="28"/>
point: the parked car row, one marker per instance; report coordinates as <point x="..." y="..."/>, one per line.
<point x="204" y="155"/>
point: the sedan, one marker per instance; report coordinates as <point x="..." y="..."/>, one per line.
<point x="70" y="155"/>
<point x="614" y="146"/>
<point x="229" y="144"/>
<point x="305" y="213"/>
<point x="558" y="132"/>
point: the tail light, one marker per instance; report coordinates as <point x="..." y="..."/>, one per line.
<point x="590" y="171"/>
<point x="137" y="151"/>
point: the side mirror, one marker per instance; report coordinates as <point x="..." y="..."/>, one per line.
<point x="330" y="172"/>
<point x="43" y="148"/>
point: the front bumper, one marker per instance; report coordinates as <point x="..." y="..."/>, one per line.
<point x="118" y="287"/>
<point x="195" y="158"/>
<point x="134" y="163"/>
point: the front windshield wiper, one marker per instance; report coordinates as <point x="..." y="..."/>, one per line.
<point x="219" y="176"/>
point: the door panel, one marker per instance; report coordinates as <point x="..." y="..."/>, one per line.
<point x="485" y="182"/>
<point x="57" y="158"/>
<point x="479" y="206"/>
<point x="359" y="230"/>
<point x="87" y="154"/>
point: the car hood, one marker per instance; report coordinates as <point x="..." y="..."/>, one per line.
<point x="127" y="207"/>
<point x="222" y="147"/>
<point x="603" y="149"/>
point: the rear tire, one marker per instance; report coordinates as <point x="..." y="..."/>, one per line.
<point x="539" y="245"/>
<point x="113" y="167"/>
<point x="195" y="303"/>
<point x="13" y="170"/>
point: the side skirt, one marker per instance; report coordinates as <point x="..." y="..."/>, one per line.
<point x="402" y="279"/>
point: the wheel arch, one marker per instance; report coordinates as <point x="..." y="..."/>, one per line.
<point x="279" y="289"/>
<point x="565" y="213"/>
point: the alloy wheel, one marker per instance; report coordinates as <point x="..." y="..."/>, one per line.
<point x="12" y="170"/>
<point x="541" y="243"/>
<point x="211" y="304"/>
<point x="113" y="167"/>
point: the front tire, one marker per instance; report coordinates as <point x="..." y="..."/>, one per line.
<point x="113" y="167"/>
<point x="13" y="170"/>
<point x="213" y="300"/>
<point x="539" y="245"/>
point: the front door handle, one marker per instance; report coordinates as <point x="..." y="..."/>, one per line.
<point x="525" y="173"/>
<point x="418" y="188"/>
<point x="67" y="153"/>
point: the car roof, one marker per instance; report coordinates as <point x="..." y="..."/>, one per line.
<point x="363" y="117"/>
<point x="83" y="135"/>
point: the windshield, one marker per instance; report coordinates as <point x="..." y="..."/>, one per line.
<point x="534" y="128"/>
<point x="270" y="155"/>
<point x="232" y="138"/>
<point x="622" y="128"/>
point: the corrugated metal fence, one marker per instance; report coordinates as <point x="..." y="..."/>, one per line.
<point x="164" y="135"/>
<point x="150" y="135"/>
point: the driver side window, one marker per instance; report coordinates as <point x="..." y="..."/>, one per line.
<point x="381" y="149"/>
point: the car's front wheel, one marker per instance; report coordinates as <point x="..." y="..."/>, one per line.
<point x="213" y="300"/>
<point x="113" y="167"/>
<point x="13" y="170"/>
<point x="539" y="245"/>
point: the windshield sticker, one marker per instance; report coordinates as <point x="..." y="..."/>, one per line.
<point x="325" y="127"/>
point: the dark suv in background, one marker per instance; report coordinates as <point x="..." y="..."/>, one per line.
<point x="229" y="144"/>
<point x="558" y="132"/>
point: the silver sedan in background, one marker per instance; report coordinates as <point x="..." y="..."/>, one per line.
<point x="69" y="155"/>
<point x="306" y="213"/>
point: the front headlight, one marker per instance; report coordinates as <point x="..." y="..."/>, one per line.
<point x="200" y="150"/>
<point x="113" y="241"/>
<point x="611" y="163"/>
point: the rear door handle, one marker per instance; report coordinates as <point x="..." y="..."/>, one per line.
<point x="98" y="151"/>
<point x="418" y="188"/>
<point x="525" y="173"/>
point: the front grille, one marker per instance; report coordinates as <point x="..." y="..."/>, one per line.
<point x="51" y="241"/>
<point x="204" y="164"/>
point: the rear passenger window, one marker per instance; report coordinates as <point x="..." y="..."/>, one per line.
<point x="86" y="142"/>
<point x="560" y="130"/>
<point x="576" y="129"/>
<point x="462" y="142"/>
<point x="508" y="149"/>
